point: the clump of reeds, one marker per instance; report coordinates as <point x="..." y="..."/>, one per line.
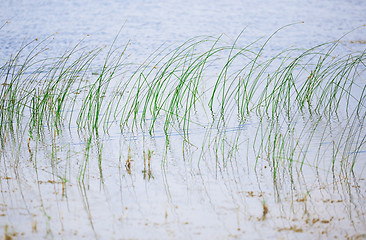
<point x="222" y="83"/>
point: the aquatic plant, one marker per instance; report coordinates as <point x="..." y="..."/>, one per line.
<point x="207" y="82"/>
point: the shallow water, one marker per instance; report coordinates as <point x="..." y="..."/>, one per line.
<point x="226" y="182"/>
<point x="219" y="198"/>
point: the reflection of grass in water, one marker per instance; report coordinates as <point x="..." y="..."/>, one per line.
<point x="172" y="87"/>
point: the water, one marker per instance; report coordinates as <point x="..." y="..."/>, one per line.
<point x="148" y="24"/>
<point x="214" y="183"/>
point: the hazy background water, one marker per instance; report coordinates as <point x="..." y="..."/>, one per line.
<point x="148" y="24"/>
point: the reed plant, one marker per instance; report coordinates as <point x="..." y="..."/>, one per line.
<point x="206" y="82"/>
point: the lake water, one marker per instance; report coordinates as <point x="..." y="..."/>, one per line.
<point x="254" y="179"/>
<point x="148" y="24"/>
